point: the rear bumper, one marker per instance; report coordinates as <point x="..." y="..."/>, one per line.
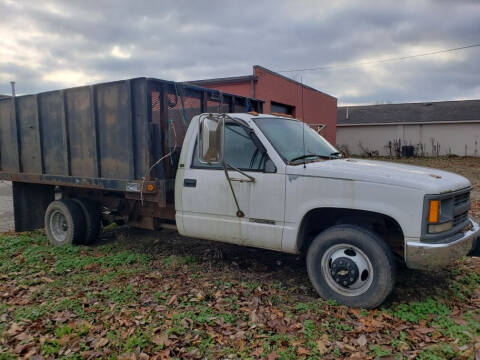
<point x="420" y="255"/>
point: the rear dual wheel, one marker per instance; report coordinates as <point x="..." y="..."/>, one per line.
<point x="72" y="221"/>
<point x="93" y="223"/>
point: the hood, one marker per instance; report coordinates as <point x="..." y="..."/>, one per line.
<point x="432" y="181"/>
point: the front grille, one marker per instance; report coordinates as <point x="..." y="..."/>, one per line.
<point x="461" y="206"/>
<point x="461" y="198"/>
<point x="460" y="219"/>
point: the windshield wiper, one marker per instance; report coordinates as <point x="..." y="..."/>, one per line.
<point x="333" y="155"/>
<point x="304" y="157"/>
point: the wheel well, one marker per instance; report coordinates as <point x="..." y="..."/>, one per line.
<point x="317" y="220"/>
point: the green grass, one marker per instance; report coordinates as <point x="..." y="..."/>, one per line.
<point x="175" y="260"/>
<point x="379" y="351"/>
<point x="133" y="295"/>
<point x="438" y="352"/>
<point x="419" y="310"/>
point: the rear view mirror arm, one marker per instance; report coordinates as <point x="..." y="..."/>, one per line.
<point x="250" y="178"/>
<point x="240" y="213"/>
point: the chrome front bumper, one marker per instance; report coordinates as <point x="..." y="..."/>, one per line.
<point x="421" y="255"/>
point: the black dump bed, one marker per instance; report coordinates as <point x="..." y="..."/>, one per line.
<point x="104" y="136"/>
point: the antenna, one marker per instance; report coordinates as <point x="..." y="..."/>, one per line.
<point x="303" y="127"/>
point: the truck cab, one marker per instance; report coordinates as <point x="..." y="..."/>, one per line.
<point x="273" y="182"/>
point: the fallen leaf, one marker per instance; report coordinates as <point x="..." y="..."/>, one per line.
<point x="272" y="356"/>
<point x="302" y="351"/>
<point x="322" y="347"/>
<point x="349" y="347"/>
<point x="101" y="343"/>
<point x="257" y="352"/>
<point x="14" y="329"/>
<point x="161" y="340"/>
<point x="30" y="353"/>
<point x="64" y="340"/>
<point x="172" y="300"/>
<point x="362" y="340"/>
<point x="424" y="330"/>
<point x="357" y="356"/>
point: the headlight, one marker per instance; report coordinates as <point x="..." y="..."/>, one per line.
<point x="440" y="215"/>
<point x="437" y="228"/>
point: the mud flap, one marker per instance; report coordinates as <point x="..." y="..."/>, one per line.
<point x="29" y="204"/>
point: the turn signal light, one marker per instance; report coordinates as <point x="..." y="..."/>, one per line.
<point x="150" y="187"/>
<point x="434" y="211"/>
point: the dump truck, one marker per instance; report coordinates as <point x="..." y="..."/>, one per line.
<point x="151" y="153"/>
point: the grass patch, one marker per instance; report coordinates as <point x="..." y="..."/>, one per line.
<point x="175" y="260"/>
<point x="419" y="310"/>
<point x="117" y="300"/>
<point x="438" y="352"/>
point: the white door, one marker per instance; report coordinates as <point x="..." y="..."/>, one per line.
<point x="208" y="207"/>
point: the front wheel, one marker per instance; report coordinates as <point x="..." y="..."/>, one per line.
<point x="351" y="265"/>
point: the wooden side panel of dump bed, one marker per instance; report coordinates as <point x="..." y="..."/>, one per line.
<point x="94" y="136"/>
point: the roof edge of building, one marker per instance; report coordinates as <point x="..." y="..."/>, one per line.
<point x="425" y="103"/>
<point x="222" y="80"/>
<point x="291" y="80"/>
<point x="409" y="123"/>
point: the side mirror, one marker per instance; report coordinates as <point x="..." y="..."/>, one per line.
<point x="210" y="140"/>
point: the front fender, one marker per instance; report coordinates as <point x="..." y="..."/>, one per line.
<point x="305" y="193"/>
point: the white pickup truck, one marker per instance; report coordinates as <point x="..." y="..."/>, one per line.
<point x="272" y="182"/>
<point x="110" y="152"/>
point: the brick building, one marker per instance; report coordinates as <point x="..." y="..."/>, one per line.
<point x="282" y="95"/>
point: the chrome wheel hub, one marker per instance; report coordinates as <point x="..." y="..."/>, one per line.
<point x="347" y="269"/>
<point x="344" y="271"/>
<point x="58" y="226"/>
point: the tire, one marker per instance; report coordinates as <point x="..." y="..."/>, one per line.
<point x="93" y="223"/>
<point x="64" y="223"/>
<point x="351" y="265"/>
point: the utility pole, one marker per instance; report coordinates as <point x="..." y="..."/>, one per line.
<point x="13" y="88"/>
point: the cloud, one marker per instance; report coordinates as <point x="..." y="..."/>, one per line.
<point x="54" y="44"/>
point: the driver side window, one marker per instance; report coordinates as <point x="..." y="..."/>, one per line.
<point x="240" y="151"/>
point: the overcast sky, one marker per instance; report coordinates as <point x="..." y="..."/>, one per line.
<point x="46" y="45"/>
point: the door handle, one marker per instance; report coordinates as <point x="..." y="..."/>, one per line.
<point x="190" y="182"/>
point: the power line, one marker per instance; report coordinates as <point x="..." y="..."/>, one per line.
<point x="326" y="67"/>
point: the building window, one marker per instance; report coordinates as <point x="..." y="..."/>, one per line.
<point x="279" y="108"/>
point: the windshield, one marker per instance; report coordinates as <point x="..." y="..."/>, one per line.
<point x="286" y="136"/>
